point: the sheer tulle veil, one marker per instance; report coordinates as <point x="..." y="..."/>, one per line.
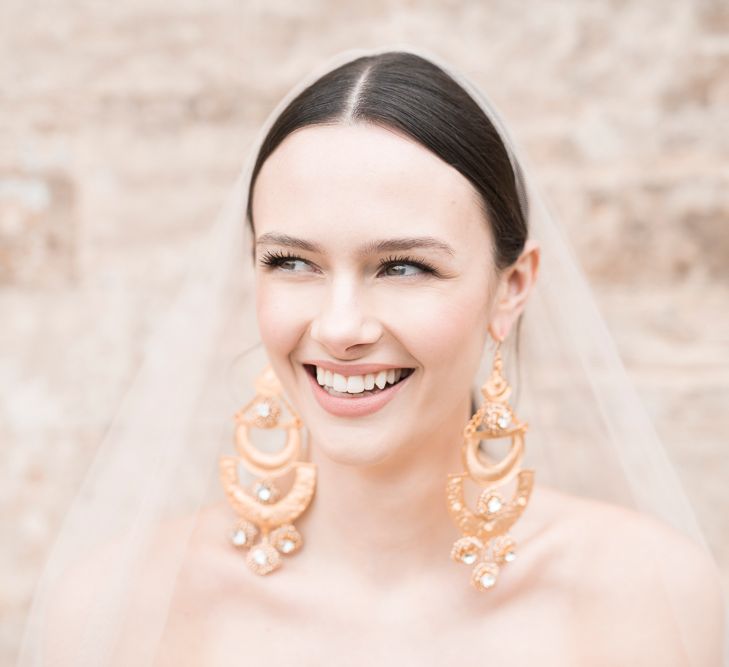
<point x="127" y="533"/>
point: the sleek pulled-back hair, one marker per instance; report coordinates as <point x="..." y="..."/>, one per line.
<point x="409" y="94"/>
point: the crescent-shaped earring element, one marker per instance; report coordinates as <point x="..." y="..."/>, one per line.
<point x="479" y="526"/>
<point x="286" y="510"/>
<point x="262" y="463"/>
<point x="502" y="471"/>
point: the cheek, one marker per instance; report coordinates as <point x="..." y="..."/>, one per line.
<point x="441" y="326"/>
<point x="281" y="319"/>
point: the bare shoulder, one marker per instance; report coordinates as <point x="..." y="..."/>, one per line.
<point x="652" y="593"/>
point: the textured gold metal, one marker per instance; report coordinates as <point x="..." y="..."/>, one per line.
<point x="268" y="516"/>
<point x="485" y="542"/>
<point x="264" y="513"/>
<point x="471" y="523"/>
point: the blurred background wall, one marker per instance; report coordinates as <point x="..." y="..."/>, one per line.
<point x="122" y="126"/>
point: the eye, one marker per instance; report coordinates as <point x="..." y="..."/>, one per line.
<point x="401" y="269"/>
<point x="401" y="265"/>
<point x="273" y="259"/>
<point x="288" y="264"/>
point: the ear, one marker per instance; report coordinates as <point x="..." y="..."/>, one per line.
<point x="515" y="285"/>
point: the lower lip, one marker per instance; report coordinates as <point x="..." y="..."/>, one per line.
<point x="354" y="407"/>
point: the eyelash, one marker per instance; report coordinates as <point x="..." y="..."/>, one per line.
<point x="275" y="258"/>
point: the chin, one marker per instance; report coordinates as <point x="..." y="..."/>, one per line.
<point x="353" y="447"/>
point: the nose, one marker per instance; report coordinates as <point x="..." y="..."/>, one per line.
<point x="342" y="324"/>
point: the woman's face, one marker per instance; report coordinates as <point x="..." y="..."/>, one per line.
<point x="370" y="250"/>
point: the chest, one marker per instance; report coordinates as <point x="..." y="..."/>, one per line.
<point x="315" y="617"/>
<point x="356" y="634"/>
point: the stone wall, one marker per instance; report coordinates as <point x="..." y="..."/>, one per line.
<point x="123" y="125"/>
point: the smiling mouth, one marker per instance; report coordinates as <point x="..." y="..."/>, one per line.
<point x="355" y="384"/>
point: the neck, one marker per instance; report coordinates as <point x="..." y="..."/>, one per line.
<point x="384" y="522"/>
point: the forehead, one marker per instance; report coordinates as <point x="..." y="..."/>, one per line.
<point x="362" y="180"/>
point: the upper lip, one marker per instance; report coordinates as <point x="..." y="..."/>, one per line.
<point x="351" y="369"/>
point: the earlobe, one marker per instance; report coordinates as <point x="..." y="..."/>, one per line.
<point x="495" y="331"/>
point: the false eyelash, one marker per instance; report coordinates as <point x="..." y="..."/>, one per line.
<point x="274" y="258"/>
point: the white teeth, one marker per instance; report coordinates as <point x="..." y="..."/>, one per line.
<point x="355" y="384"/>
<point x="340" y="382"/>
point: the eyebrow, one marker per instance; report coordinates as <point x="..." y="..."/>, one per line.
<point x="372" y="247"/>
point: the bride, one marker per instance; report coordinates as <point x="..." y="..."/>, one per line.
<point x="395" y="247"/>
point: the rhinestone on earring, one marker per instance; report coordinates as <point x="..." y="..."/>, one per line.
<point x="263" y="511"/>
<point x="485" y="543"/>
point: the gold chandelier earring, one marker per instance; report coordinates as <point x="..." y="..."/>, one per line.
<point x="265" y="526"/>
<point x="486" y="543"/>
